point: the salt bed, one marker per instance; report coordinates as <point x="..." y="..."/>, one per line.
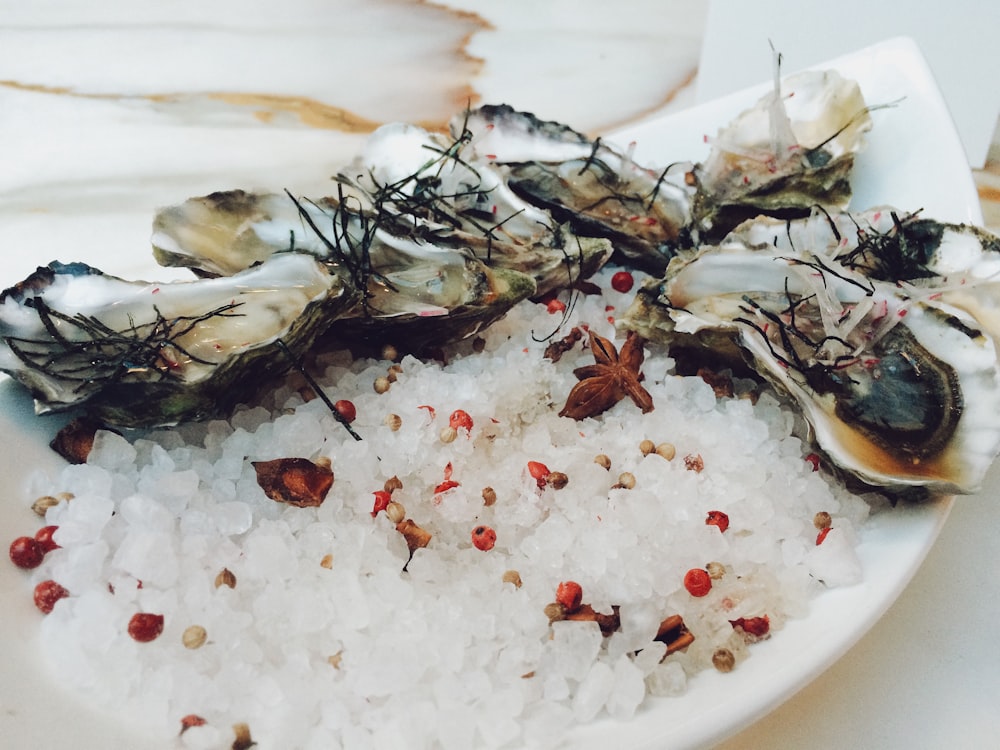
<point x="329" y="639"/>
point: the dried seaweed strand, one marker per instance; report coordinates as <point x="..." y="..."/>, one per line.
<point x="106" y="354"/>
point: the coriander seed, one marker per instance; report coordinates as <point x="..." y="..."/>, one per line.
<point x="448" y="434"/>
<point x="395" y="512"/>
<point x="602" y="460"/>
<point x="555" y="612"/>
<point x="666" y="450"/>
<point x="626" y="481"/>
<point x="393" y="421"/>
<point x="194" y="636"/>
<point x="724" y="660"/>
<point x="557" y="480"/>
<point x="822" y="520"/>
<point x="381" y="384"/>
<point x="646" y="447"/>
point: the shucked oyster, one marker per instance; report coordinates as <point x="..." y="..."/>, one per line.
<point x="900" y="386"/>
<point x="401" y="274"/>
<point x="790" y="152"/>
<point x="586" y="183"/>
<point x="444" y="189"/>
<point x="142" y="354"/>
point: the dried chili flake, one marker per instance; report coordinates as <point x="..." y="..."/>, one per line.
<point x="448" y="482"/>
<point x="539" y="472"/>
<point x="47" y="593"/>
<point x="717" y="518"/>
<point x="694" y="462"/>
<point x="821" y="536"/>
<point x="813" y="460"/>
<point x="191" y="720"/>
<point x="296" y="481"/>
<point x="555" y="306"/>
<point x="753" y="628"/>
<point x="382" y="500"/>
<point x="460" y="420"/>
<point x="44" y="538"/>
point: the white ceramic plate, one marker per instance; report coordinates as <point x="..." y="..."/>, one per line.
<point x="914" y="159"/>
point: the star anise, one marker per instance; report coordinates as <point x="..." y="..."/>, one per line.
<point x="613" y="376"/>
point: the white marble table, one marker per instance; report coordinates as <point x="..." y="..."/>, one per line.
<point x="92" y="98"/>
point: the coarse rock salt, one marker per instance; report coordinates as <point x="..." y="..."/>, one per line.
<point x="335" y="635"/>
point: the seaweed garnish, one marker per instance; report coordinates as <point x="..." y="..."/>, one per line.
<point x="300" y="368"/>
<point x="103" y="355"/>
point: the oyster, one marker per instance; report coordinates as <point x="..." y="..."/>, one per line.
<point x="793" y="150"/>
<point x="401" y="275"/>
<point x="587" y="184"/>
<point x="900" y="386"/>
<point x="142" y="354"/>
<point x="446" y="188"/>
<point x="407" y="186"/>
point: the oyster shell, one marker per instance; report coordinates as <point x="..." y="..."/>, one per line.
<point x="449" y="190"/>
<point x="142" y="354"/>
<point x="402" y="274"/>
<point x="900" y="385"/>
<point x="793" y="150"/>
<point x="586" y="183"/>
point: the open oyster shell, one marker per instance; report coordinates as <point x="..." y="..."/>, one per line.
<point x="142" y="354"/>
<point x="793" y="150"/>
<point x="585" y="183"/>
<point x="900" y="385"/>
<point x="401" y="273"/>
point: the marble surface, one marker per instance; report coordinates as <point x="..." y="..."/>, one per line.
<point x="92" y="98"/>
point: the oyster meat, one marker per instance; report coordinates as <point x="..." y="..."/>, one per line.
<point x="585" y="183"/>
<point x="793" y="150"/>
<point x="135" y="353"/>
<point x="401" y="274"/>
<point x="900" y="385"/>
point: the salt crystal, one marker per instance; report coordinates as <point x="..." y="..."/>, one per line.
<point x="111" y="451"/>
<point x="667" y="679"/>
<point x="573" y="647"/>
<point x="628" y="691"/>
<point x="143" y="512"/>
<point x="835" y="562"/>
<point x="148" y="556"/>
<point x="83" y="520"/>
<point x="546" y="723"/>
<point x="593" y="692"/>
<point x="232" y="518"/>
